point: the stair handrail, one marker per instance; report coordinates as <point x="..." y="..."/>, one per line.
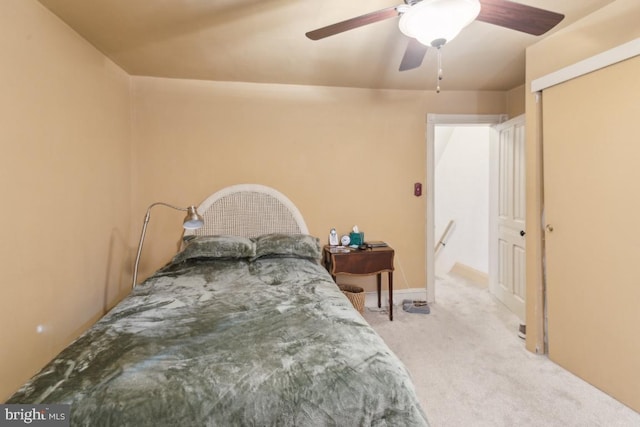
<point x="441" y="243"/>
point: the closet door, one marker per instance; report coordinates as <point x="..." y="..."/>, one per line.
<point x="591" y="140"/>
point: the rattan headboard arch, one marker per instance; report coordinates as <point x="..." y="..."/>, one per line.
<point x="249" y="210"/>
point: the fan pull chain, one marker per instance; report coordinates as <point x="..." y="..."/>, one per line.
<point x="439" y="76"/>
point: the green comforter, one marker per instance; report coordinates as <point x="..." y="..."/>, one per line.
<point x="231" y="342"/>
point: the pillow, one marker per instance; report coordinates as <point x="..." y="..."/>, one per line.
<point x="217" y="247"/>
<point x="297" y="245"/>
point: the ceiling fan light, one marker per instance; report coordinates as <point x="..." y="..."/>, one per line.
<point x="435" y="22"/>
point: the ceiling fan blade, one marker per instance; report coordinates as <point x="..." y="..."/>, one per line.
<point x="519" y="17"/>
<point x="413" y="55"/>
<point x="352" y="23"/>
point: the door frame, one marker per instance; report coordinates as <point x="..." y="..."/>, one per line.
<point x="432" y="121"/>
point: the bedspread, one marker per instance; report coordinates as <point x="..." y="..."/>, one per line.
<point x="230" y="342"/>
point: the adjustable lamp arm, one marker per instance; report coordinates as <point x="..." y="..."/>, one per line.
<point x="192" y="221"/>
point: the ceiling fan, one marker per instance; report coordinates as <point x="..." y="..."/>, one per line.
<point x="436" y="22"/>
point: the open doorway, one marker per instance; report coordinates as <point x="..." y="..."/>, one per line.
<point x="461" y="208"/>
<point x="447" y="125"/>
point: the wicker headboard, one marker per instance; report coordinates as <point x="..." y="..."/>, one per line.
<point x="249" y="210"/>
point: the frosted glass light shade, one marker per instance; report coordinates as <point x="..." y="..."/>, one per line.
<point x="193" y="220"/>
<point x="436" y="22"/>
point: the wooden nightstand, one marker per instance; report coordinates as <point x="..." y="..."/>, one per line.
<point x="362" y="262"/>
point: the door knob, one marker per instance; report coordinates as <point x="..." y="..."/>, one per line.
<point x="549" y="228"/>
<point x="522" y="233"/>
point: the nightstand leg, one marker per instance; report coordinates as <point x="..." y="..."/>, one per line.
<point x="379" y="277"/>
<point x="390" y="295"/>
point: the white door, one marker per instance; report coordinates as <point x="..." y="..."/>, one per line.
<point x="507" y="272"/>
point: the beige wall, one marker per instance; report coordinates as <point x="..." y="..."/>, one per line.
<point x="344" y="156"/>
<point x="516" y="101"/>
<point x="64" y="186"/>
<point x="609" y="27"/>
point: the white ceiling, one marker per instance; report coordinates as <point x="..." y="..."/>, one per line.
<point x="264" y="41"/>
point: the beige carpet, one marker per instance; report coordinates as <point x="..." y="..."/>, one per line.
<point x="471" y="369"/>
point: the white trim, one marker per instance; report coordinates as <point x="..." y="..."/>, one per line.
<point x="596" y="62"/>
<point x="432" y="121"/>
<point x="465" y="119"/>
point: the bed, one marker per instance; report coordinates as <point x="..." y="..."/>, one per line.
<point x="243" y="327"/>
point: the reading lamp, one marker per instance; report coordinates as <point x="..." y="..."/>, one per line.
<point x="192" y="221"/>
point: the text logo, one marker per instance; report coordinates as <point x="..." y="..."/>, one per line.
<point x="41" y="415"/>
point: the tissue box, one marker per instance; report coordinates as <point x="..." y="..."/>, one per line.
<point x="356" y="239"/>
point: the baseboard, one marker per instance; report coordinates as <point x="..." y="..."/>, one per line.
<point x="476" y="276"/>
<point x="371" y="298"/>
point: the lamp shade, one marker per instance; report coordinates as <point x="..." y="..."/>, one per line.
<point x="193" y="220"/>
<point x="436" y="22"/>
